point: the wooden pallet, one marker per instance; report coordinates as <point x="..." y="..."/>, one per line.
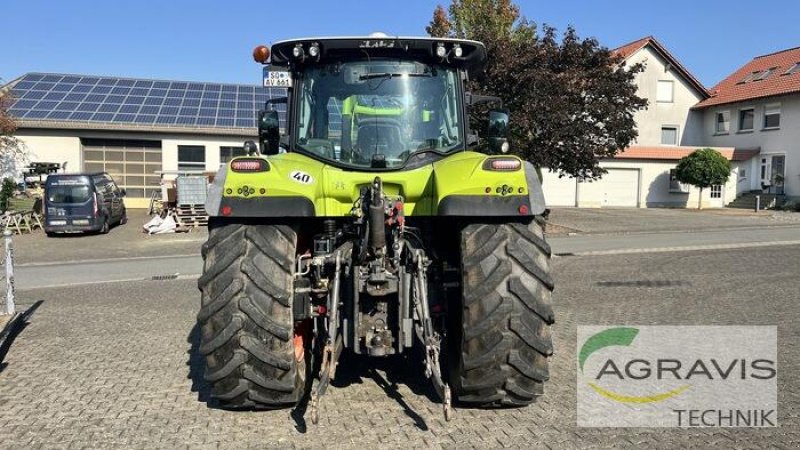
<point x="190" y="216"/>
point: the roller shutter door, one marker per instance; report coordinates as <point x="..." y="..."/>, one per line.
<point x="132" y="163"/>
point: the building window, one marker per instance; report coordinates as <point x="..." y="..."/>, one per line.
<point x="664" y="91"/>
<point x="772" y="116"/>
<point x="228" y="153"/>
<point x="675" y="185"/>
<point x="723" y="122"/>
<point x="749" y="77"/>
<point x="746" y="119"/>
<point x="765" y="74"/>
<point x="191" y="157"/>
<point x="742" y="173"/>
<point x="669" y="136"/>
<point x="716" y="191"/>
<point x="794" y="69"/>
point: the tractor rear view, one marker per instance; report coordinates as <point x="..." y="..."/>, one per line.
<point x="367" y="222"/>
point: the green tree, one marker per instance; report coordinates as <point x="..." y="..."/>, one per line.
<point x="703" y="168"/>
<point x="572" y="101"/>
<point x="12" y="151"/>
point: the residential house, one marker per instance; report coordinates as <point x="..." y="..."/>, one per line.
<point x="642" y="175"/>
<point x="758" y="107"/>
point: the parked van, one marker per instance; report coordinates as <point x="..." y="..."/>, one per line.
<point x="82" y="202"/>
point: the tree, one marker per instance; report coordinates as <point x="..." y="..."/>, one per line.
<point x="703" y="168"/>
<point x="12" y="151"/>
<point x="572" y="101"/>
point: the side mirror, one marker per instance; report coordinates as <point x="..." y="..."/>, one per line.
<point x="122" y="192"/>
<point x="498" y="131"/>
<point x="250" y="148"/>
<point x="269" y="132"/>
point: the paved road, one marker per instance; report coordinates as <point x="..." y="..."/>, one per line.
<point x="121" y="369"/>
<point x="662" y="241"/>
<point x="118" y="269"/>
<point x="128" y="269"/>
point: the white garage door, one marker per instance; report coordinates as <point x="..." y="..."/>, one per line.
<point x="558" y="191"/>
<point x="619" y="187"/>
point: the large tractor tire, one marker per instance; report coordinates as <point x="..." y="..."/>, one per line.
<point x="506" y="314"/>
<point x="247" y="332"/>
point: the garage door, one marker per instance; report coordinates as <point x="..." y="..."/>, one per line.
<point x="132" y="163"/>
<point x="558" y="191"/>
<point x="619" y="187"/>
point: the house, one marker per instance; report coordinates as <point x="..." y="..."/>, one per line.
<point x="642" y="175"/>
<point x="758" y="106"/>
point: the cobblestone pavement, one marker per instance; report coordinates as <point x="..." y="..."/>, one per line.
<point x="114" y="366"/>
<point x="638" y="220"/>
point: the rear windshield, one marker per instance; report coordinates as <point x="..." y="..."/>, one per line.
<point x="68" y="194"/>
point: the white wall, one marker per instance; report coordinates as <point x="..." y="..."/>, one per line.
<point x="657" y="114"/>
<point x="55" y="147"/>
<point x="783" y="141"/>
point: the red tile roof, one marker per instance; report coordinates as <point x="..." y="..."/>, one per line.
<point x="671" y="153"/>
<point x="627" y="50"/>
<point x="732" y="89"/>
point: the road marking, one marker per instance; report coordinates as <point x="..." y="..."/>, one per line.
<point x="681" y="249"/>
<point x="124" y="280"/>
<point x="106" y="260"/>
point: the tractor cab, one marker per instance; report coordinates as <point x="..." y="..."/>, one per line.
<point x="374" y="103"/>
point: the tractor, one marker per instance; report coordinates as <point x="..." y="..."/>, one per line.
<point x="370" y="218"/>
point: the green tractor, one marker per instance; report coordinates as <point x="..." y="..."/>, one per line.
<point x="367" y="222"/>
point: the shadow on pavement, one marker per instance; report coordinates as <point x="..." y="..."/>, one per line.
<point x="405" y="370"/>
<point x="16" y="329"/>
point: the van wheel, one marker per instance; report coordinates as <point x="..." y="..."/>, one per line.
<point x="105" y="228"/>
<point x="50" y="233"/>
<point x="124" y="219"/>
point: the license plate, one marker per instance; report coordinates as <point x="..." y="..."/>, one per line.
<point x="58" y="222"/>
<point x="80" y="222"/>
<point x="277" y="78"/>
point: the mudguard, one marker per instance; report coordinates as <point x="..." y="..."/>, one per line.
<point x="294" y="185"/>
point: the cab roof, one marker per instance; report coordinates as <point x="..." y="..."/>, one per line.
<point x="344" y="48"/>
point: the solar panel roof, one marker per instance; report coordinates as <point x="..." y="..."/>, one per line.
<point x="87" y="99"/>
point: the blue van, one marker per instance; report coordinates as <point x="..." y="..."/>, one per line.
<point x="82" y="202"/>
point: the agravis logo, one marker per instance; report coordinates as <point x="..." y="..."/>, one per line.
<point x="620" y="336"/>
<point x="685" y="376"/>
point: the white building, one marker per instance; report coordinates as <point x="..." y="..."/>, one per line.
<point x="669" y="129"/>
<point x="133" y="128"/>
<point x="758" y="106"/>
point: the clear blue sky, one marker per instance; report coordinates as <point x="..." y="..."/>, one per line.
<point x="212" y="40"/>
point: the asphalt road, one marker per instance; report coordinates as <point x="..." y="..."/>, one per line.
<point x="116" y="365"/>
<point x="68" y="273"/>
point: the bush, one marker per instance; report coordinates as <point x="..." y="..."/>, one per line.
<point x="6" y="193"/>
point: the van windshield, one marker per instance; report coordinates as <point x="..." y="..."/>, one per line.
<point x="68" y="194"/>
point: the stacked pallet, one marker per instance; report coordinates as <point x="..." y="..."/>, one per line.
<point x="190" y="216"/>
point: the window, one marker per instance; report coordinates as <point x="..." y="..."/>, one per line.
<point x="749" y="77"/>
<point x="723" y="122"/>
<point x="675" y="185"/>
<point x="746" y="119"/>
<point x="228" y="153"/>
<point x="669" y="136"/>
<point x="765" y="74"/>
<point x="772" y="116"/>
<point x="191" y="157"/>
<point x="664" y="91"/>
<point x="742" y="173"/>
<point x="716" y="191"/>
<point x="794" y="69"/>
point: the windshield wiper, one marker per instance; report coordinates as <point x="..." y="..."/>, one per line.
<point x="372" y="76"/>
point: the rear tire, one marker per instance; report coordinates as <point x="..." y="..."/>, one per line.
<point x="506" y="315"/>
<point x="246" y="321"/>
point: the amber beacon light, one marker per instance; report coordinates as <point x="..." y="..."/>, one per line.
<point x="261" y="54"/>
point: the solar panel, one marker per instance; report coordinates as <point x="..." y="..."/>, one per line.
<point x="150" y="102"/>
